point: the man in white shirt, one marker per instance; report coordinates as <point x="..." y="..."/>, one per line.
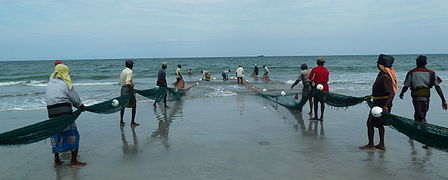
<point x="239" y="74"/>
<point x="179" y="84"/>
<point x="266" y="73"/>
<point x="127" y="86"/>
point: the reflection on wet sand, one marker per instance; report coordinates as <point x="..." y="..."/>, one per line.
<point x="419" y="162"/>
<point x="165" y="117"/>
<point x="240" y="102"/>
<point x="314" y="126"/>
<point x="129" y="149"/>
<point x="65" y="172"/>
<point x="300" y="122"/>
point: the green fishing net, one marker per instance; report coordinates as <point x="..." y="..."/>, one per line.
<point x="425" y="133"/>
<point x="45" y="129"/>
<point x="38" y="131"/>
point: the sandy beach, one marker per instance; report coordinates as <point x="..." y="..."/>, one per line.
<point x="233" y="137"/>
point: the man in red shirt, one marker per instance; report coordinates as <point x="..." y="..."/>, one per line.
<point x="320" y="75"/>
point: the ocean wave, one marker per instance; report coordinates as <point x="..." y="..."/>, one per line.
<point x="17" y="108"/>
<point x="28" y="83"/>
<point x="21" y="94"/>
<point x="36" y="83"/>
<point x="95" y="84"/>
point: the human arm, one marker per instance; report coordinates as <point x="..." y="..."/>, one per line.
<point x="389" y="99"/>
<point x="74" y="97"/>
<point x="128" y="80"/>
<point x="295" y="83"/>
<point x="405" y="88"/>
<point x="442" y="97"/>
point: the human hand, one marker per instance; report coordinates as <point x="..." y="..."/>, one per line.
<point x="444" y="105"/>
<point x="401" y="95"/>
<point x="82" y="107"/>
<point x="385" y="109"/>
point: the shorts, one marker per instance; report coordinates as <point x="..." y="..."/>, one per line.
<point x="125" y="90"/>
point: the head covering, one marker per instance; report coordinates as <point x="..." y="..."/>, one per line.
<point x="58" y="62"/>
<point x="421" y="60"/>
<point x="304" y="66"/>
<point x="61" y="72"/>
<point x="164" y="64"/>
<point x="129" y="63"/>
<point x="391" y="72"/>
<point x="385" y="60"/>
<point x="321" y="59"/>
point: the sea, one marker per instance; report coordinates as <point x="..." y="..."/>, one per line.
<point x="23" y="83"/>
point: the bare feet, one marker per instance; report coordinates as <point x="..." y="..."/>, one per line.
<point x="122" y="123"/>
<point x="58" y="163"/>
<point x="321" y="119"/>
<point x="313" y="118"/>
<point x="135" y="124"/>
<point x="425" y="147"/>
<point x="77" y="164"/>
<point x="367" y="147"/>
<point x="166" y="107"/>
<point x="310" y="113"/>
<point x="380" y="147"/>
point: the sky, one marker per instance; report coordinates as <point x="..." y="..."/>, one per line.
<point x="95" y="29"/>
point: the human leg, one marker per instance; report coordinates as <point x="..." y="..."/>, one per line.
<point x="121" y="117"/>
<point x="370" y="135"/>
<point x="74" y="161"/>
<point x="381" y="145"/>
<point x="134" y="110"/>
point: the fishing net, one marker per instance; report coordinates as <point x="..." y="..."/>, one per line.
<point x="38" y="131"/>
<point x="45" y="129"/>
<point x="425" y="133"/>
<point x="110" y="106"/>
<point x="159" y="93"/>
<point x="288" y="100"/>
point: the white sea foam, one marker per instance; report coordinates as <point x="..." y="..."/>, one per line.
<point x="11" y="83"/>
<point x="220" y="92"/>
<point x="289" y="81"/>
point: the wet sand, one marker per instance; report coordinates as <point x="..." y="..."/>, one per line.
<point x="234" y="137"/>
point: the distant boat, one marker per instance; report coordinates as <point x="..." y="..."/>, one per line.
<point x="261" y="55"/>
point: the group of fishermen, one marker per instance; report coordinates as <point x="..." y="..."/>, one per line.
<point x="60" y="96"/>
<point x="420" y="80"/>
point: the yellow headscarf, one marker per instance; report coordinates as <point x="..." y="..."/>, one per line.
<point x="392" y="74"/>
<point x="61" y="72"/>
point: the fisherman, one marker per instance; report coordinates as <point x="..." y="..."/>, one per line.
<point x="255" y="73"/>
<point x="266" y="73"/>
<point x="239" y="74"/>
<point x="189" y="72"/>
<point x="421" y="80"/>
<point x="161" y="82"/>
<point x="306" y="86"/>
<point x="60" y="96"/>
<point x="225" y="75"/>
<point x="320" y="75"/>
<point x="383" y="92"/>
<point x="127" y="88"/>
<point x="179" y="84"/>
<point x="206" y="76"/>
